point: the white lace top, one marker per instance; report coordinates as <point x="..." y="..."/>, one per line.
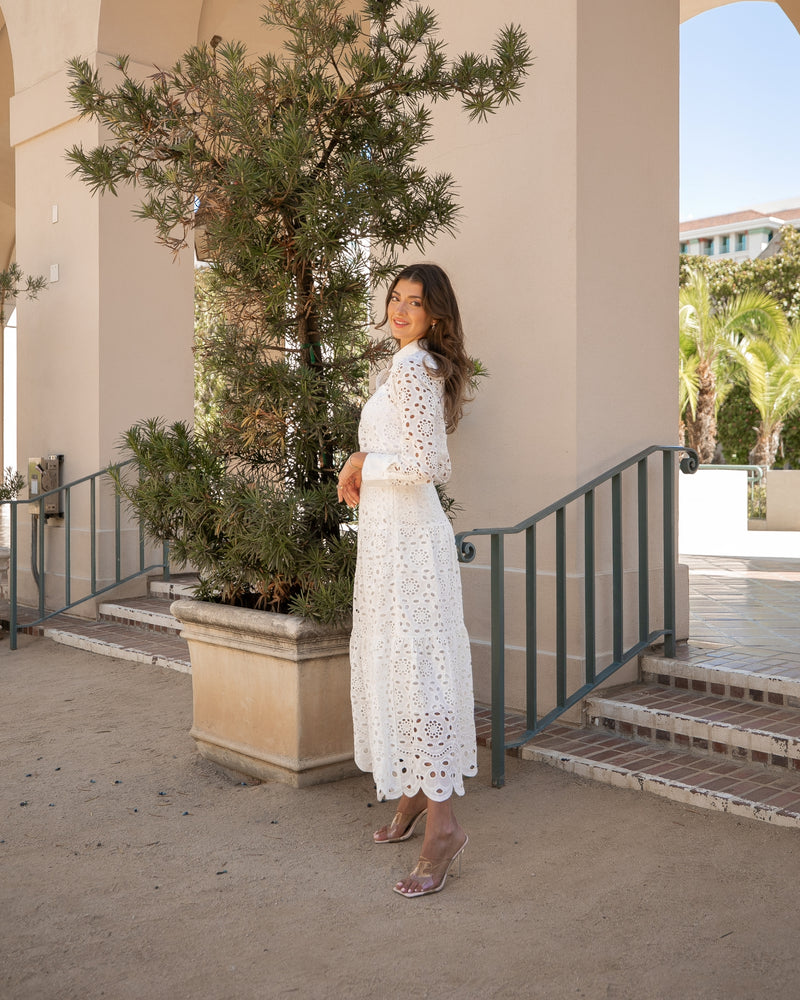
<point x="413" y="709"/>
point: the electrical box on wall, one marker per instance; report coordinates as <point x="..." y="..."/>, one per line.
<point x="44" y="475"/>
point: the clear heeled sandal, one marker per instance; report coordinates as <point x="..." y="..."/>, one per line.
<point x="431" y="875"/>
<point x="403" y="822"/>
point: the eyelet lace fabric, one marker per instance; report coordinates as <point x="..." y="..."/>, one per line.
<point x="411" y="687"/>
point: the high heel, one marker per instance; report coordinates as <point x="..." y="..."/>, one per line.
<point x="427" y="872"/>
<point x="407" y="826"/>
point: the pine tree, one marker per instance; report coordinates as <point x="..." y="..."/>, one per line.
<point x="299" y="172"/>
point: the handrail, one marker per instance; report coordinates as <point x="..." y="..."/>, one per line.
<point x="755" y="473"/>
<point x="646" y="636"/>
<point x="38" y="555"/>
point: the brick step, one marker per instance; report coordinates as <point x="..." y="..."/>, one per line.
<point x="140" y="629"/>
<point x="150" y="613"/>
<point x="709" y="724"/>
<point x="125" y="642"/>
<point x="724" y="785"/>
<point x="764" y="676"/>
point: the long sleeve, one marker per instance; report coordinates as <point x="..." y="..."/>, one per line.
<point x="417" y="398"/>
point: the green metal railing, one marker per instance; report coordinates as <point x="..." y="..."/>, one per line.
<point x="593" y="673"/>
<point x="39" y="538"/>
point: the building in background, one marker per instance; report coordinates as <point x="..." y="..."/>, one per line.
<point x="740" y="235"/>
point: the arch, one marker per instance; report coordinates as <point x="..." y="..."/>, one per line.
<point x="690" y="8"/>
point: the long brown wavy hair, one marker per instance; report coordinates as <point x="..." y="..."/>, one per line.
<point x="445" y="337"/>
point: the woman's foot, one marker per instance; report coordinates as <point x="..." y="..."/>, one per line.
<point x="409" y="812"/>
<point x="430" y="874"/>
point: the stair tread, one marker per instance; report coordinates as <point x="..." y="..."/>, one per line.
<point x="160" y="605"/>
<point x="110" y="636"/>
<point x="764" y="788"/>
<point x="758" y="665"/>
<point x="696" y="706"/>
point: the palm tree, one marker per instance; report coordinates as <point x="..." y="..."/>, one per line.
<point x="772" y="368"/>
<point x="687" y="381"/>
<point x="711" y="333"/>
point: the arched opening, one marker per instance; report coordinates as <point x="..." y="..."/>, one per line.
<point x="739" y="89"/>
<point x="690" y="8"/>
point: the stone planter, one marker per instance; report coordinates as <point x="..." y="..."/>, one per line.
<point x="271" y="693"/>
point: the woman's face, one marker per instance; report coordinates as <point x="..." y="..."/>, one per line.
<point x="408" y="319"/>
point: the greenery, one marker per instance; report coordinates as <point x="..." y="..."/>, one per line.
<point x="737" y="422"/>
<point x="771" y="366"/>
<point x="714" y="337"/>
<point x="13" y="483"/>
<point x="777" y="275"/>
<point x="756" y="373"/>
<point x="13" y="282"/>
<point x="298" y="172"/>
<point x="757" y="501"/>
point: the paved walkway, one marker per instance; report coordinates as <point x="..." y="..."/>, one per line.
<point x="745" y="602"/>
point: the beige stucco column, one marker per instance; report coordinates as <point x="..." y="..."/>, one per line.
<point x="565" y="265"/>
<point x="110" y="340"/>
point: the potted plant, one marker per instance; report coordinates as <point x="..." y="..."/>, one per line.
<point x="298" y="171"/>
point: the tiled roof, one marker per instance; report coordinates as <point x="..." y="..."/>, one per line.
<point x="731" y="218"/>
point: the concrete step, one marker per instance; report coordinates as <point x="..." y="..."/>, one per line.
<point x="179" y="585"/>
<point x="709" y="724"/>
<point x="724" y="785"/>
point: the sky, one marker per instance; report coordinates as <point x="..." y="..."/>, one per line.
<point x="740" y="109"/>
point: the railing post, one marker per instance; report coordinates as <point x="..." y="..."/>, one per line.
<point x="41" y="558"/>
<point x="589" y="638"/>
<point x="644" y="562"/>
<point x="93" y="532"/>
<point x="531" y="641"/>
<point x="117" y="539"/>
<point x="498" y="663"/>
<point x="67" y="546"/>
<point x="617" y="564"/>
<point x="669" y="553"/>
<point x="561" y="607"/>
<point x="12" y="580"/>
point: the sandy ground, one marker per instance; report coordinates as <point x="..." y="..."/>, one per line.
<point x="130" y="868"/>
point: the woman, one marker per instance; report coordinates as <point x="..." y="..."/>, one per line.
<point x="413" y="710"/>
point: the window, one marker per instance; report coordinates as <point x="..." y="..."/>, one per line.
<point x="724" y="244"/>
<point x="684" y="247"/>
<point x="741" y="241"/>
<point x="707" y="247"/>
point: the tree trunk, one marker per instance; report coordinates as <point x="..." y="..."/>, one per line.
<point x="767" y="444"/>
<point x="702" y="428"/>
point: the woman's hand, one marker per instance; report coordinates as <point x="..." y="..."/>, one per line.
<point x="349" y="489"/>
